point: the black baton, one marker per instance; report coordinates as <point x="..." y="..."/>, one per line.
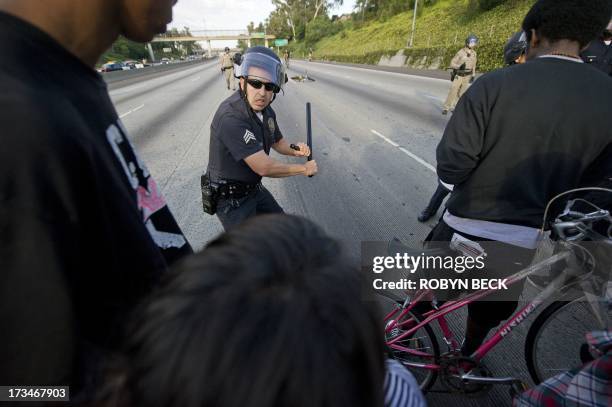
<point x="309" y="131"/>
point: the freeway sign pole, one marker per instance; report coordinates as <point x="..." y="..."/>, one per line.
<point x="416" y="4"/>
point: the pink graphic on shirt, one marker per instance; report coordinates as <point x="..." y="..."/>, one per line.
<point x="150" y="200"/>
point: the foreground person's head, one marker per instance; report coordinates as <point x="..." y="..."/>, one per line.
<point x="269" y="314"/>
<point x="568" y="25"/>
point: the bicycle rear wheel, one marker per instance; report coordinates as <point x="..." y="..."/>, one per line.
<point x="556" y="340"/>
<point x="422" y="340"/>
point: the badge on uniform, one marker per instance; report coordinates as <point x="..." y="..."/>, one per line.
<point x="248" y="137"/>
<point x="271" y="125"/>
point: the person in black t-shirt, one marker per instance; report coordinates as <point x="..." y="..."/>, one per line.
<point x="242" y="133"/>
<point x="514" y="53"/>
<point x="520" y="136"/>
<point x="84" y="230"/>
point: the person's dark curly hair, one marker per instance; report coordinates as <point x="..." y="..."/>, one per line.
<point x="269" y="314"/>
<point x="576" y="20"/>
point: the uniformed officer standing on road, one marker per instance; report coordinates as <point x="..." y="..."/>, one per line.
<point x="227" y="67"/>
<point x="243" y="131"/>
<point x="464" y="71"/>
<point x="599" y="52"/>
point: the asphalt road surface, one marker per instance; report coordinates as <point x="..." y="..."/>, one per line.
<point x="374" y="133"/>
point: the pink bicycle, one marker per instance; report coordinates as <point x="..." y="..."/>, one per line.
<point x="410" y="336"/>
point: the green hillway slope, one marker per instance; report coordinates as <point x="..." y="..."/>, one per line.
<point x="441" y="30"/>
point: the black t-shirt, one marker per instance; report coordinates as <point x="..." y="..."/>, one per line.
<point x="523" y="134"/>
<point x="236" y="133"/>
<point x="84" y="231"/>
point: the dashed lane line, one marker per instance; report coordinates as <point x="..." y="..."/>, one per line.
<point x="408" y="153"/>
<point x="131" y="111"/>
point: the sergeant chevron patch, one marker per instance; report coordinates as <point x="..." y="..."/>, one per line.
<point x="248" y="136"/>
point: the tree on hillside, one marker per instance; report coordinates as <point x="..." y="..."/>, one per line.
<point x="278" y="25"/>
<point x="318" y="4"/>
<point x="297" y="14"/>
<point x="372" y="9"/>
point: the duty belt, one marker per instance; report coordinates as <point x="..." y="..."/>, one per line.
<point x="236" y="190"/>
<point x="463" y="73"/>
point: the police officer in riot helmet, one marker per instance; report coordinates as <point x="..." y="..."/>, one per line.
<point x="227" y="68"/>
<point x="516" y="49"/>
<point x="599" y="51"/>
<point x="463" y="72"/>
<point x="243" y="132"/>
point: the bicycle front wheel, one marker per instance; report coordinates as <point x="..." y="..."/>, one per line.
<point x="424" y="341"/>
<point x="556" y="340"/>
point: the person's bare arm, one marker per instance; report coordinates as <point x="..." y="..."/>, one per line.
<point x="283" y="147"/>
<point x="265" y="166"/>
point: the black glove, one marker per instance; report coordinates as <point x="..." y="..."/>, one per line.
<point x="472" y="79"/>
<point x="462" y="67"/>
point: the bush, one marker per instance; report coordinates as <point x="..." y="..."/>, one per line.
<point x="489" y="4"/>
<point x="490" y="56"/>
<point x="320" y="28"/>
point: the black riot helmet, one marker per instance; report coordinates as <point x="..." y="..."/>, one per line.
<point x="515" y="47"/>
<point x="471" y="39"/>
<point x="227" y="49"/>
<point x="262" y="63"/>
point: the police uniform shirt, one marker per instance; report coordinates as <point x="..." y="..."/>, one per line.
<point x="227" y="61"/>
<point x="236" y="133"/>
<point x="465" y="56"/>
<point x="599" y="55"/>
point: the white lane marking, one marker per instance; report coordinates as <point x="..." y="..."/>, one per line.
<point x="131" y="111"/>
<point x="125" y="90"/>
<point x="393" y="143"/>
<point x="408" y="153"/>
<point x="197" y="78"/>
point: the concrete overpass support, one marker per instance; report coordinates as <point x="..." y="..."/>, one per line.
<point x="267" y="45"/>
<point x="209" y="49"/>
<point x="249" y="43"/>
<point x="151" y="54"/>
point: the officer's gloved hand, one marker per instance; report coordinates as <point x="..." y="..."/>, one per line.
<point x="311" y="168"/>
<point x="472" y="79"/>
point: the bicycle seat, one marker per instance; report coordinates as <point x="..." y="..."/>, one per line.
<point x="395" y="246"/>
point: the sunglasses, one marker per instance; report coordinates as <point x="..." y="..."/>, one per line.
<point x="270" y="87"/>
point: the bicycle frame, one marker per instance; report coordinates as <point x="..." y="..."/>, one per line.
<point x="438" y="314"/>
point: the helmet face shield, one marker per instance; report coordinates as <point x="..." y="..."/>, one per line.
<point x="263" y="68"/>
<point x="515" y="47"/>
<point x="471" y="41"/>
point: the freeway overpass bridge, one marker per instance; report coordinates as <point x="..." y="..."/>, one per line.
<point x="215" y="35"/>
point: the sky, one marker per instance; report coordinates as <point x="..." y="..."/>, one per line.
<point x="228" y="15"/>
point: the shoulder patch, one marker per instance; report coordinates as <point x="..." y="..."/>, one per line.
<point x="271" y="125"/>
<point x="248" y="137"/>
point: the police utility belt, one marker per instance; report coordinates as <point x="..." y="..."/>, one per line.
<point x="463" y="73"/>
<point x="212" y="191"/>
